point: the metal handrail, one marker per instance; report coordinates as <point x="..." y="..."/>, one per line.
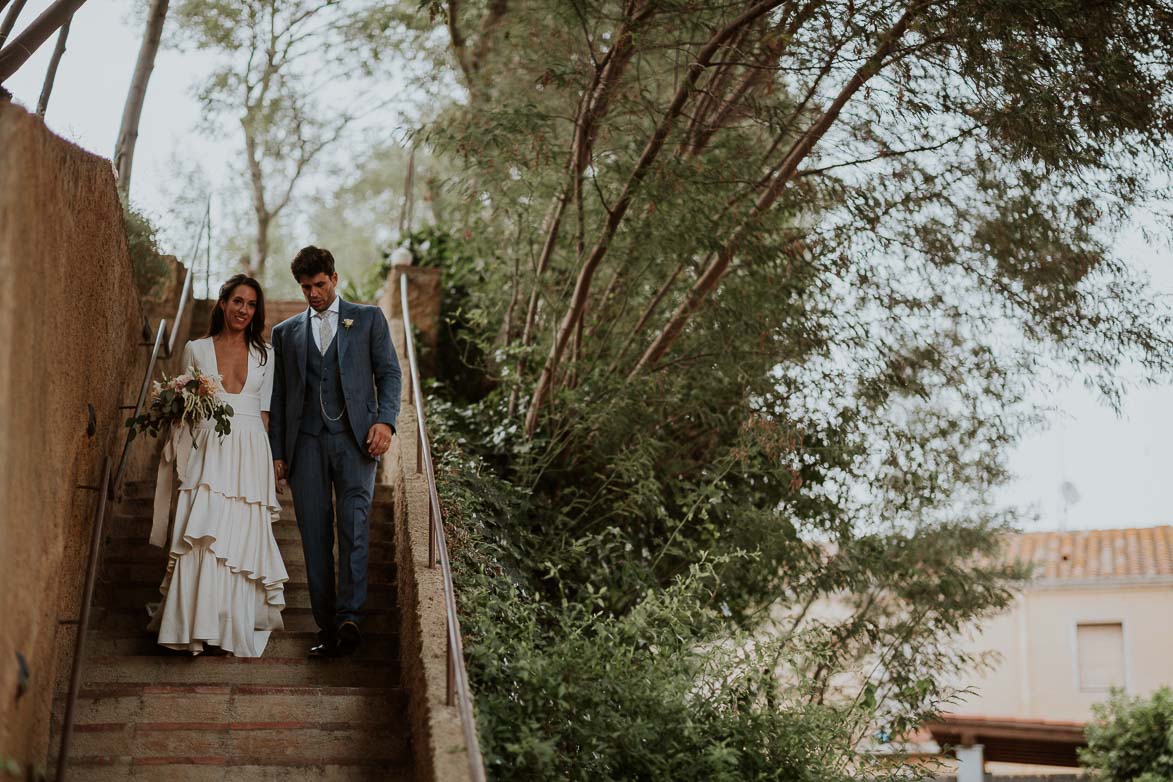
<point x="457" y="673"/>
<point x="184" y="295"/>
<point x="83" y="622"/>
<point x="109" y="487"/>
<point x="144" y="389"/>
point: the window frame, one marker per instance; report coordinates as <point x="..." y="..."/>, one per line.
<point x="1125" y="651"/>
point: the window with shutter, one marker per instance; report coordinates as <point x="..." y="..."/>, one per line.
<point x="1100" y="656"/>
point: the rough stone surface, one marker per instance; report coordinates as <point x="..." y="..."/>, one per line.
<point x="143" y="453"/>
<point x="437" y="736"/>
<point x="70" y="321"/>
<point x="424" y="295"/>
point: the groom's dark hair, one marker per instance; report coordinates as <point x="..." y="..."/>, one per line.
<point x="312" y="261"/>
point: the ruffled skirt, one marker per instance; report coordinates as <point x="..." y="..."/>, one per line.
<point x="225" y="577"/>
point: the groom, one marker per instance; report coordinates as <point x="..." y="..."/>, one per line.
<point x="335" y="403"/>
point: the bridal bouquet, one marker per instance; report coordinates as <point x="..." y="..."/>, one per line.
<point x="186" y="398"/>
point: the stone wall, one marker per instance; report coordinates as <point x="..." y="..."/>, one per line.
<point x="70" y="323"/>
<point x="143" y="455"/>
<point x="424" y="294"/>
<point x="437" y="737"/>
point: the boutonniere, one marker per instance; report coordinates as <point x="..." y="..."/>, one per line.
<point x="348" y="323"/>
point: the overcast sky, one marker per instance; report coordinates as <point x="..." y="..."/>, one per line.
<point x="1120" y="466"/>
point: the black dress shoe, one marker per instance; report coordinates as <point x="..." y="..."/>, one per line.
<point x="348" y="638"/>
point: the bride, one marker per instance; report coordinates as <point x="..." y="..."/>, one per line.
<point x="225" y="576"/>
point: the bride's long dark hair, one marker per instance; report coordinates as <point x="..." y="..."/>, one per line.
<point x="254" y="331"/>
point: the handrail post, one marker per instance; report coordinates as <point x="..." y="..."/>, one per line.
<point x="83" y="623"/>
<point x="451" y="674"/>
<point x="431" y="537"/>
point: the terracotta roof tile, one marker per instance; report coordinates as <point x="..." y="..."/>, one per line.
<point x="1097" y="553"/>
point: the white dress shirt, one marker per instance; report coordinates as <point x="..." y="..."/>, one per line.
<point x="330" y="314"/>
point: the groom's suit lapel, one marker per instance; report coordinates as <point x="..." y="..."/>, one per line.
<point x="303" y="339"/>
<point x="344" y="313"/>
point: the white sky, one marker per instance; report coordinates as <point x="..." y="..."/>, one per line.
<point x="1120" y="466"/>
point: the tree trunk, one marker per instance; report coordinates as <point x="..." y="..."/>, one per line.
<point x="136" y="96"/>
<point x="261" y="247"/>
<point x="30" y="39"/>
<point x="51" y="73"/>
<point x="264" y="217"/>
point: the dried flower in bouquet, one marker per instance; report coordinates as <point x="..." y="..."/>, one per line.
<point x="188" y="398"/>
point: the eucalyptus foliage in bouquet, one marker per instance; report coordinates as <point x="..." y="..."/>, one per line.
<point x="186" y="398"/>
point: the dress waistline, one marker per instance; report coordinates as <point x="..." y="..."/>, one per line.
<point x="243" y="406"/>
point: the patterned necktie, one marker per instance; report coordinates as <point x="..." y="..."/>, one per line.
<point x="326" y="334"/>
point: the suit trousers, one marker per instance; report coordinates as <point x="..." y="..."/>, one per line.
<point x="330" y="466"/>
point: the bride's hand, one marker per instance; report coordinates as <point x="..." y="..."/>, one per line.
<point x="279" y="474"/>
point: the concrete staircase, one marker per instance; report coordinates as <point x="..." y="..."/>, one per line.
<point x="147" y="713"/>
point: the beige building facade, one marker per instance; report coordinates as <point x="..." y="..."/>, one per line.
<point x="1098" y="615"/>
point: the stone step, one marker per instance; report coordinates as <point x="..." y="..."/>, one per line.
<point x="136" y="549"/>
<point x="380" y="595"/>
<point x="119" y="621"/>
<point x="283" y="741"/>
<point x="135" y="526"/>
<point x="121" y="703"/>
<point x="235" y="769"/>
<point x="140" y="496"/>
<point x="374" y="646"/>
<point x="123" y="569"/>
<point x="183" y="669"/>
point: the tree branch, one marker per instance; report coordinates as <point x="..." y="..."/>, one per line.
<point x="51" y="72"/>
<point x="802" y="147"/>
<point x="651" y="152"/>
<point x="458" y="42"/>
<point x="592" y="108"/>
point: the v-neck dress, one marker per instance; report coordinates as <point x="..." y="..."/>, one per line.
<point x="225" y="577"/>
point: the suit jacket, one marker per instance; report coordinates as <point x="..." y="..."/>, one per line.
<point x="368" y="367"/>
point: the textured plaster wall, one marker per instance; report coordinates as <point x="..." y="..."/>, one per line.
<point x="142" y="458"/>
<point x="424" y="294"/>
<point x="437" y="737"/>
<point x="69" y="325"/>
<point x="1037" y="676"/>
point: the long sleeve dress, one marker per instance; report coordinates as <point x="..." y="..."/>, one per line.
<point x="225" y="577"/>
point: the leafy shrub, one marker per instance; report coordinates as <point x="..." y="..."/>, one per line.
<point x="432" y="246"/>
<point x="142" y="240"/>
<point x="1131" y="738"/>
<point x="660" y="692"/>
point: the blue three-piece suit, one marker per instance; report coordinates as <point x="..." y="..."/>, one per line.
<point x="324" y="403"/>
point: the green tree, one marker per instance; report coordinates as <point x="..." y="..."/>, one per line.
<point x="751" y="299"/>
<point x="298" y="77"/>
<point x="1131" y="738"/>
<point x="765" y="287"/>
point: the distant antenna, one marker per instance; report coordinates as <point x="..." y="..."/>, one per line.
<point x="1070" y="496"/>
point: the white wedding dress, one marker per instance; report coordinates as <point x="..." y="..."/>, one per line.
<point x="225" y="576"/>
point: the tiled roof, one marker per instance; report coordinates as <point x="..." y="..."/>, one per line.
<point x="1097" y="553"/>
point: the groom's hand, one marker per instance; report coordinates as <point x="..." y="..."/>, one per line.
<point x="378" y="439"/>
